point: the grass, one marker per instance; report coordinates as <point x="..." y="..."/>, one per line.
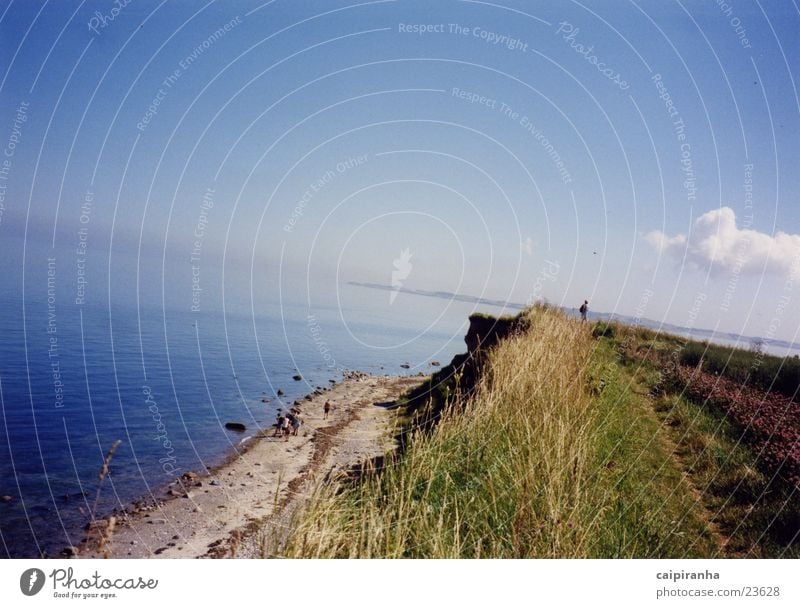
<point x="756" y="516"/>
<point x="655" y="512"/>
<point x="557" y="452"/>
<point x="751" y="512"/>
<point x="751" y="367"/>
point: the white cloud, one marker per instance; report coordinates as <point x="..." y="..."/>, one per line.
<point x="662" y="242"/>
<point x="716" y="241"/>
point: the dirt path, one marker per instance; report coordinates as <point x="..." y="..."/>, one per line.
<point x="219" y="515"/>
<point x="671" y="448"/>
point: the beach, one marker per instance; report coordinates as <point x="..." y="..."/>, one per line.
<point x="228" y="512"/>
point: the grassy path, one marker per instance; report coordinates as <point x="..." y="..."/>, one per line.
<point x="748" y="511"/>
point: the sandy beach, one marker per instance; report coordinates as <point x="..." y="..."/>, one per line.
<point x="222" y="514"/>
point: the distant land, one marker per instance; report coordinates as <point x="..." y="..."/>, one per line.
<point x="725" y="338"/>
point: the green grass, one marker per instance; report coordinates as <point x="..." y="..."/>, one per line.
<point x="750" y="513"/>
<point x="755" y="514"/>
<point x="654" y="511"/>
<point x="746" y="366"/>
<point x="558" y="453"/>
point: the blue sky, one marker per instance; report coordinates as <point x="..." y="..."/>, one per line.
<point x="334" y="139"/>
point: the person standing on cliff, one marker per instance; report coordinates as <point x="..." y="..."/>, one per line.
<point x="584" y="310"/>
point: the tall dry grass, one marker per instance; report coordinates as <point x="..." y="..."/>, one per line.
<point x="506" y="473"/>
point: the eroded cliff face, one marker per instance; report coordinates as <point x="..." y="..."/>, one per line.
<point x="485" y="331"/>
<point x="462" y="374"/>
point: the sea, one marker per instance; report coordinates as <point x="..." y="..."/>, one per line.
<point x="162" y="383"/>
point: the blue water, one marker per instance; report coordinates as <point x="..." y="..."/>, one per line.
<point x="164" y="383"/>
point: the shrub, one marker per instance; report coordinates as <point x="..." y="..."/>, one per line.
<point x="603" y="330"/>
<point x="749" y="367"/>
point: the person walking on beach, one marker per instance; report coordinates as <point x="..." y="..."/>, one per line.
<point x="285" y="426"/>
<point x="296" y="423"/>
<point x="584" y="310"/>
<point x="326" y="409"/>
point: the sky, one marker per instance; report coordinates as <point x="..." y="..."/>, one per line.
<point x="641" y="155"/>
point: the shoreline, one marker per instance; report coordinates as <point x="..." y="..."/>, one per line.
<point x="218" y="514"/>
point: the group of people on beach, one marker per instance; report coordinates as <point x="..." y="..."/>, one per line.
<point x="288" y="423"/>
